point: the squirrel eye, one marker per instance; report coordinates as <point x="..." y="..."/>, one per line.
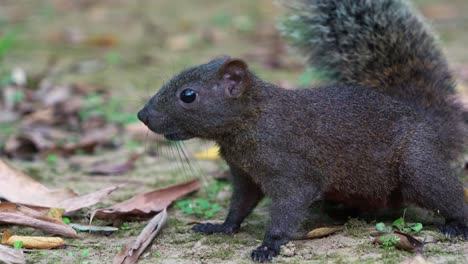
<point x="188" y="96"/>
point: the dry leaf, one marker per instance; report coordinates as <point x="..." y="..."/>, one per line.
<point x="209" y="154"/>
<point x="466" y="195"/>
<point x="138" y="131"/>
<point x="406" y="242"/>
<point x="147" y="204"/>
<point x="323" y="231"/>
<point x="78" y="202"/>
<point x="115" y="169"/>
<point x="11" y="255"/>
<point x="179" y="42"/>
<point x="32" y="242"/>
<point x="105" y="41"/>
<point x="11" y="213"/>
<point x="133" y="250"/>
<point x="416" y="259"/>
<point x="34" y="193"/>
<point x="55" y="213"/>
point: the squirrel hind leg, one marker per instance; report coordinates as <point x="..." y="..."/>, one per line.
<point x="428" y="180"/>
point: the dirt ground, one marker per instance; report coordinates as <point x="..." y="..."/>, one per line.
<point x="130" y="48"/>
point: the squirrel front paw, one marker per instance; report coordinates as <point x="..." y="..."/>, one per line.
<point x="208" y="228"/>
<point x="264" y="254"/>
<point x="454" y="229"/>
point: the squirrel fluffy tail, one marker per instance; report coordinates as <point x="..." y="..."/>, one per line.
<point x="383" y="45"/>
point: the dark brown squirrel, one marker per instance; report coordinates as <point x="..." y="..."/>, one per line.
<point x="385" y="132"/>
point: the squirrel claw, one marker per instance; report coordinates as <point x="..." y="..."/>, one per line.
<point x="263" y="254"/>
<point x="208" y="228"/>
<point x="454" y="229"/>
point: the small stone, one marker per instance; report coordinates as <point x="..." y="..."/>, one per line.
<point x="288" y="250"/>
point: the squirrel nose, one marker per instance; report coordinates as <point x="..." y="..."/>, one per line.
<point x="143" y="116"/>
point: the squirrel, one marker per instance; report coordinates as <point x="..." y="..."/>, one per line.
<point x="384" y="133"/>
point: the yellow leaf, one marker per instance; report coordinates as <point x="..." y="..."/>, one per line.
<point x="466" y="195"/>
<point x="209" y="154"/>
<point x="6" y="235"/>
<point x="36" y="242"/>
<point x="323" y="231"/>
<point x="55" y="213"/>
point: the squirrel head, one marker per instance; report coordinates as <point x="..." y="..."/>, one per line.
<point x="206" y="101"/>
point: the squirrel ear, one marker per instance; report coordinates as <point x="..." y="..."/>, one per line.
<point x="233" y="77"/>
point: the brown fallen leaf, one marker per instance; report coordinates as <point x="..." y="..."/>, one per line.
<point x="16" y="214"/>
<point x="147" y="204"/>
<point x="32" y="242"/>
<point x="78" y="202"/>
<point x="34" y="193"/>
<point x="115" y="169"/>
<point x="416" y="259"/>
<point x="104" y="41"/>
<point x="406" y="242"/>
<point x="138" y="131"/>
<point x="323" y="231"/>
<point x="133" y="250"/>
<point x="11" y="255"/>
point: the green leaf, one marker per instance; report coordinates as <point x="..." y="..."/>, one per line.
<point x="125" y="226"/>
<point x="204" y="204"/>
<point x="6" y="43"/>
<point x="215" y="208"/>
<point x="406" y="230"/>
<point x="66" y="220"/>
<point x="85" y="253"/>
<point x="381" y="227"/>
<point x="417" y="227"/>
<point x="52" y="159"/>
<point x="18" y="244"/>
<point x="399" y="223"/>
<point x="208" y="213"/>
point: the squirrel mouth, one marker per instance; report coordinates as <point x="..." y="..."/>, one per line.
<point x="177" y="136"/>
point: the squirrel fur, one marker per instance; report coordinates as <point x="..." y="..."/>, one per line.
<point x="385" y="132"/>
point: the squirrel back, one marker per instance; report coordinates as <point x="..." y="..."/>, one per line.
<point x="382" y="45"/>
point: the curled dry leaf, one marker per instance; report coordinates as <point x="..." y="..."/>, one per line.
<point x="32" y="242"/>
<point x="133" y="250"/>
<point x="114" y="169"/>
<point x="11" y="255"/>
<point x="406" y="242"/>
<point x="34" y="193"/>
<point x="147" y="204"/>
<point x="16" y="214"/>
<point x="323" y="231"/>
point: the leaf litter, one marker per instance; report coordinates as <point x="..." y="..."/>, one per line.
<point x="34" y="193"/>
<point x="146" y="204"/>
<point x="133" y="250"/>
